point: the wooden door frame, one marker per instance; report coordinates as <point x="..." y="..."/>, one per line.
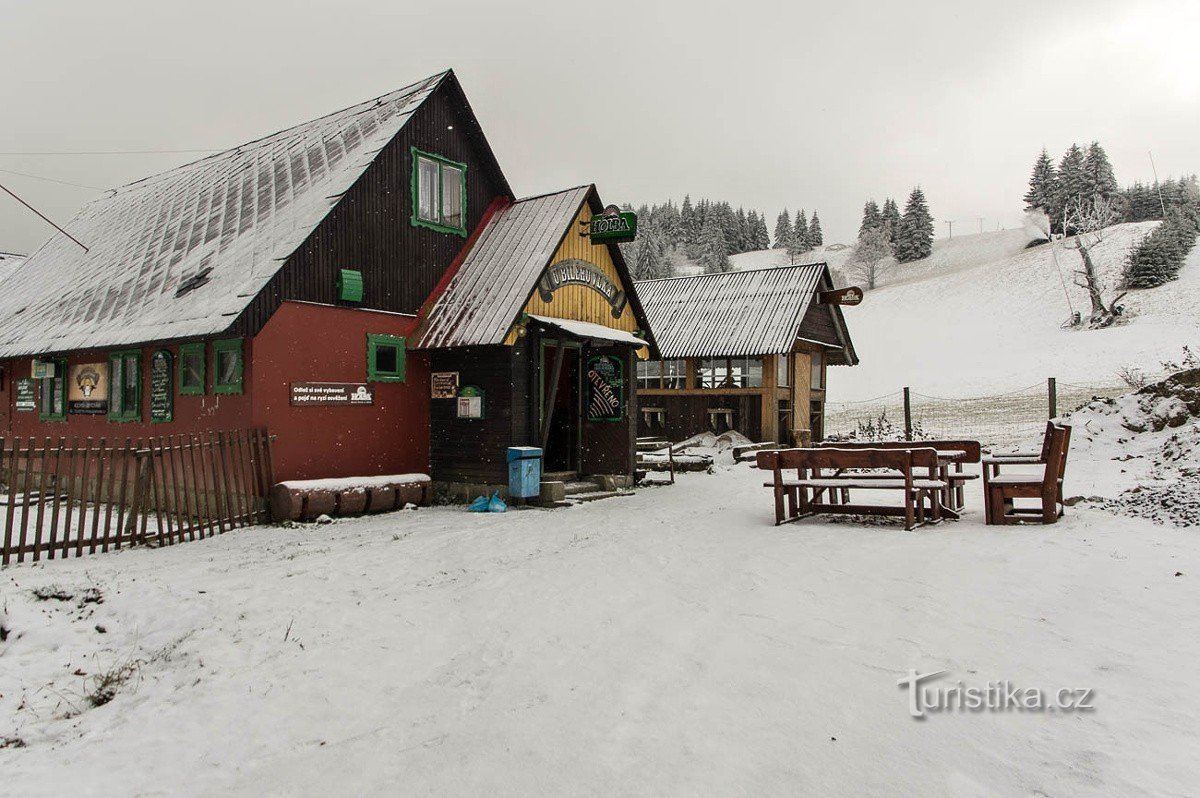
<point x="543" y="344"/>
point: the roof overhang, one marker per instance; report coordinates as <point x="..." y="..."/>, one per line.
<point x="589" y="331"/>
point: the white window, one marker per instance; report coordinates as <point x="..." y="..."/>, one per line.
<point x="653" y="374"/>
<point x="731" y="372"/>
<point x="783" y="374"/>
<point x="818" y="371"/>
<point x="439" y="193"/>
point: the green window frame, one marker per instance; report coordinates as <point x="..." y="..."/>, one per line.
<point x="435" y="182"/>
<point x="227" y="375"/>
<point x="125" y="385"/>
<point x="191" y="355"/>
<point x="52" y="393"/>
<point x="385" y="358"/>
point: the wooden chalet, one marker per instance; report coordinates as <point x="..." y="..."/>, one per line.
<point x="365" y="286"/>
<point x="741" y="350"/>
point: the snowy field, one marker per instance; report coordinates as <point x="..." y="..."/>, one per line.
<point x="669" y="643"/>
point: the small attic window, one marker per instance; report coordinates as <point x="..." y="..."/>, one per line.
<point x="439" y="193"/>
<point x="193" y="282"/>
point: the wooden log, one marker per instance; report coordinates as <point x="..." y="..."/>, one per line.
<point x="381" y="499"/>
<point x="352" y="501"/>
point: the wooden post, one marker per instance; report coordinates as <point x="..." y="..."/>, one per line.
<point x="907" y="414"/>
<point x="1052" y="391"/>
<point x="140" y="490"/>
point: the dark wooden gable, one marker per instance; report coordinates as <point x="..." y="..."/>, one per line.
<point x="370" y="229"/>
<point x="825" y="324"/>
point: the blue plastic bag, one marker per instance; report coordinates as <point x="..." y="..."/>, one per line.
<point x="497" y="505"/>
<point x="480" y="505"/>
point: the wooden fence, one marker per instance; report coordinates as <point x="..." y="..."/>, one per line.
<point x="68" y="496"/>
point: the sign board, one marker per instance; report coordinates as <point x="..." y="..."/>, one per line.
<point x="325" y="394"/>
<point x="87" y="389"/>
<point x="605" y="387"/>
<point x="26" y="395"/>
<point x="43" y="369"/>
<point x="444" y="384"/>
<point x="162" y="387"/>
<point x="841" y="296"/>
<point x="470" y="402"/>
<point x="579" y="272"/>
<point x="613" y="226"/>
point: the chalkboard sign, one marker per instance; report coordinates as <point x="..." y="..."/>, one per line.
<point x="26" y="395"/>
<point x="162" y="388"/>
<point x="606" y="382"/>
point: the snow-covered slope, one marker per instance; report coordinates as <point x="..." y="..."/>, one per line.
<point x="984" y="315"/>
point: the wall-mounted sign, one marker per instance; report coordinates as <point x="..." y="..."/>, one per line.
<point x="470" y="402"/>
<point x="324" y="394"/>
<point x="87" y="389"/>
<point x="579" y="272"/>
<point x="613" y="227"/>
<point x="606" y="384"/>
<point x="43" y="369"/>
<point x="841" y="296"/>
<point x="162" y="387"/>
<point x="444" y="384"/>
<point x="26" y="394"/>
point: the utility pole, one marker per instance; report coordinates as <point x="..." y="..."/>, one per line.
<point x="980" y="218"/>
<point x="950" y="223"/>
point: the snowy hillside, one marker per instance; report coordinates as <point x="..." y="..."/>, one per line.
<point x="984" y="315"/>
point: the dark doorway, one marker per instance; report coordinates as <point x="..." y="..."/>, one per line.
<point x="562" y="405"/>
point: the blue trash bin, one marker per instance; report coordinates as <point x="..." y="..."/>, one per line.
<point x="524" y="472"/>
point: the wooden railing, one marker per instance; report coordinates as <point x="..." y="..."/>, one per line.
<point x="68" y="496"/>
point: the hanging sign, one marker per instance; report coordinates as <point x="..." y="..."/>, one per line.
<point x="579" y="272"/>
<point x="162" y="387"/>
<point x="606" y="382"/>
<point x="444" y="384"/>
<point x="470" y="402"/>
<point x="87" y="389"/>
<point x="612" y="226"/>
<point x="26" y="395"/>
<point x="841" y="296"/>
<point x="324" y="394"/>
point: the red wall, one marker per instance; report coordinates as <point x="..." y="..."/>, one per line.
<point x="319" y="343"/>
<point x="301" y="343"/>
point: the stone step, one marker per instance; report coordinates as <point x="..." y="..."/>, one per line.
<point x="596" y="495"/>
<point x="560" y="476"/>
<point x="581" y="486"/>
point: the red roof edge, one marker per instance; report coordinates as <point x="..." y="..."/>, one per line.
<point x="497" y="205"/>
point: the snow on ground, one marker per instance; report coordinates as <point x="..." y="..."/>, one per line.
<point x="965" y="324"/>
<point x="671" y="642"/>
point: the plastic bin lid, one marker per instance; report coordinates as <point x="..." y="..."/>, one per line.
<point x="523" y="453"/>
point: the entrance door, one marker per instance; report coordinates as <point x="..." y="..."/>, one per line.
<point x="562" y="406"/>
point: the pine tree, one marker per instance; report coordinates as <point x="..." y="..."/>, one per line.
<point x="800" y="240"/>
<point x="762" y="239"/>
<point x="889" y="219"/>
<point x="815" y="236"/>
<point x="689" y="229"/>
<point x="1098" y="176"/>
<point x="714" y="252"/>
<point x="783" y="230"/>
<point x="914" y="239"/>
<point x="1043" y="185"/>
<point x="1071" y="185"/>
<point x="872" y="220"/>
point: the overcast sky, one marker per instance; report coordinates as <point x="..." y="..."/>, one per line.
<point x="766" y="105"/>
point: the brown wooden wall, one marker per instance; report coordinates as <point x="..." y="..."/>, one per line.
<point x="687" y="413"/>
<point x="370" y="229"/>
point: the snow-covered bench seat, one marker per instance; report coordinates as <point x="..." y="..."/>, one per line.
<point x="308" y="499"/>
<point x="824" y="477"/>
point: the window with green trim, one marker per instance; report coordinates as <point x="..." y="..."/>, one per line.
<point x="191" y="369"/>
<point x="228" y="366"/>
<point x="439" y="189"/>
<point x="125" y="385"/>
<point x="52" y="393"/>
<point x="385" y="358"/>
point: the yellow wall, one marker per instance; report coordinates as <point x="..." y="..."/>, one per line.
<point x="578" y="301"/>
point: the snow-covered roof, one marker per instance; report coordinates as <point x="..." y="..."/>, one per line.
<point x="586" y="329"/>
<point x="225" y="223"/>
<point x="725" y="314"/>
<point x="496" y="276"/>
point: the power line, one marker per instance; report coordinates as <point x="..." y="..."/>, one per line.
<point x="44" y="217"/>
<point x="50" y="180"/>
<point x="109" y="152"/>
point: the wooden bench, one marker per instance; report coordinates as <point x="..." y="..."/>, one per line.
<point x="822" y="482"/>
<point x="1001" y="490"/>
<point x="951" y="472"/>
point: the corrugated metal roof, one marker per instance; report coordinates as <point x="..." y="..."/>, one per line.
<point x="238" y="214"/>
<point x="8" y="264"/>
<point x="754" y="312"/>
<point x="494" y="280"/>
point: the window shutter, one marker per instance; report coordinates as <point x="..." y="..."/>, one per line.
<point x="350" y="285"/>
